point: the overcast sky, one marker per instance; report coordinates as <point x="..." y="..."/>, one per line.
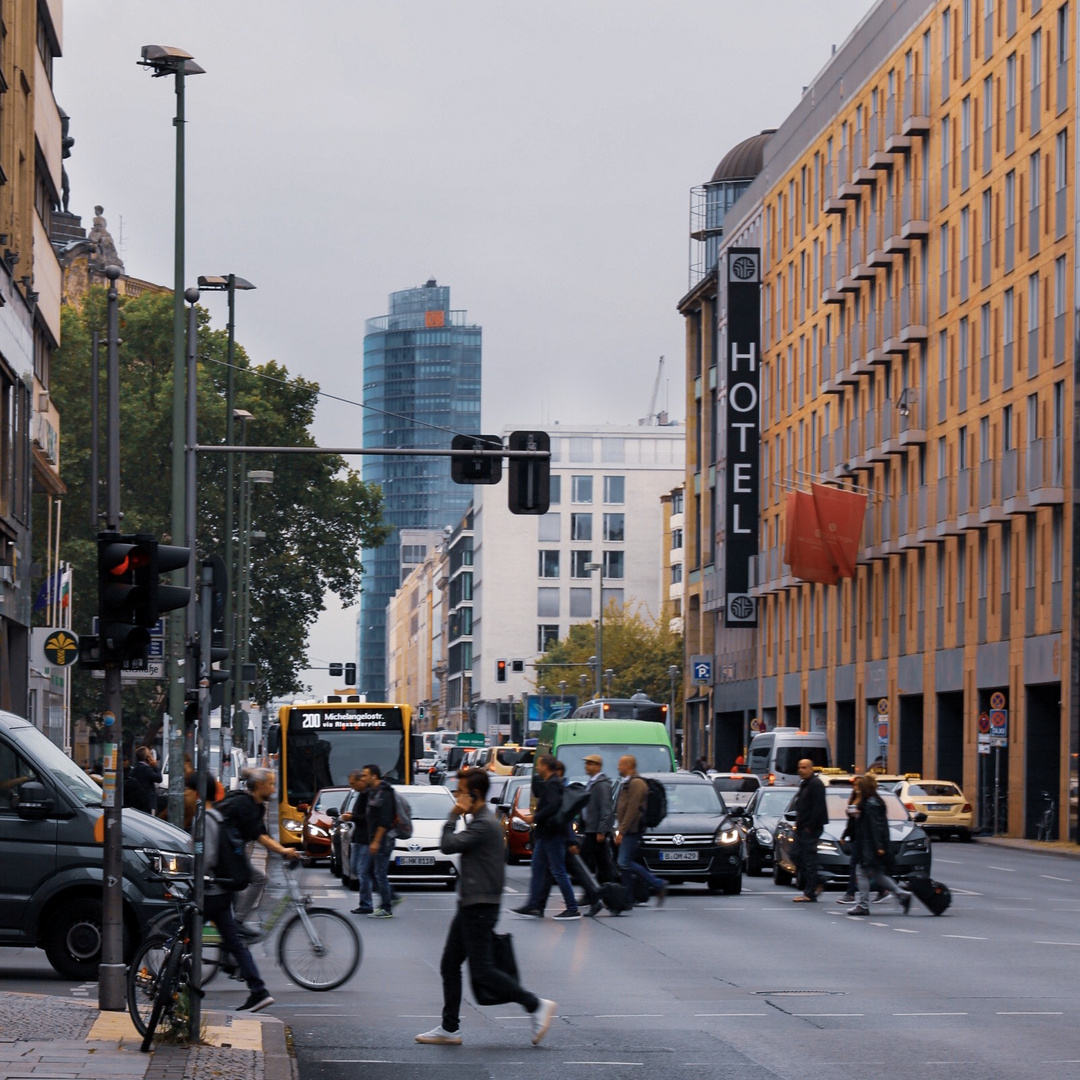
<point x="536" y="157"/>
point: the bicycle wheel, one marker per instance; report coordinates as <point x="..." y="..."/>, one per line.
<point x="324" y="958"/>
<point x="143" y="979"/>
<point x="169" y="923"/>
<point x="166" y="991"/>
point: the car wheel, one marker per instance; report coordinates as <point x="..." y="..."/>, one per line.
<point x="732" y="886"/>
<point x="73" y="939"/>
<point x="780" y="876"/>
<point x="964" y="835"/>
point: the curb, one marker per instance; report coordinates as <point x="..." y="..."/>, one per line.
<point x="1058" y="849"/>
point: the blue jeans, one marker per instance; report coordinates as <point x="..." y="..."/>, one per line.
<point x="360" y="868"/>
<point x="380" y="869"/>
<point x="549" y="857"/>
<point x="218" y="908"/>
<point x="630" y="864"/>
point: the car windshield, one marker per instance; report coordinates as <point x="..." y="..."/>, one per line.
<point x="788" y="757"/>
<point x="936" y="791"/>
<point x="429" y="805"/>
<point x="59" y="766"/>
<point x="651" y="758"/>
<point x="774" y="803"/>
<point x="329" y="799"/>
<point x="736" y="783"/>
<point x="838" y="803"/>
<point x="693" y="799"/>
<point x="513" y="756"/>
<point x="496" y="787"/>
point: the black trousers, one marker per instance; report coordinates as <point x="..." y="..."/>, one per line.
<point x="471" y="938"/>
<point x="597" y="858"/>
<point x="806" y="845"/>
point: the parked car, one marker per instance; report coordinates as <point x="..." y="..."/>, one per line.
<point x="736" y="789"/>
<point x="698" y="840"/>
<point x="321" y="815"/>
<point x="418" y="860"/>
<point x="517" y="834"/>
<point x="909" y="842"/>
<point x="758" y="826"/>
<point x="947" y="811"/>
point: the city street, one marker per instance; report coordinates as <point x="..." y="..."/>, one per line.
<point x="751" y="986"/>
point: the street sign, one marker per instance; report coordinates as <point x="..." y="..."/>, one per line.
<point x="998" y="740"/>
<point x="61" y="648"/>
<point x="999" y="723"/>
<point x="470" y="738"/>
<point x="882" y="731"/>
<point x="155" y="669"/>
<point x="997" y="700"/>
<point x="984" y="739"/>
<point x="984" y="723"/>
<point x="701" y="669"/>
<point x="883" y="706"/>
<point x="984" y="747"/>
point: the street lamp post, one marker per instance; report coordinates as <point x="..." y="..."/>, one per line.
<point x="562" y="697"/>
<point x="254" y="476"/>
<point x="163" y="60"/>
<point x="599" y="568"/>
<point x="673" y="674"/>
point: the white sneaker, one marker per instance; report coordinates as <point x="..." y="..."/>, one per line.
<point x="541" y="1019"/>
<point x="439" y="1036"/>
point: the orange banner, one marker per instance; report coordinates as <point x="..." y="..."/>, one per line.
<point x="806" y="550"/>
<point x="840" y="516"/>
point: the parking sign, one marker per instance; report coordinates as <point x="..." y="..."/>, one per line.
<point x="701" y="669"/>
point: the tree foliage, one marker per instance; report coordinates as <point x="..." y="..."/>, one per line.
<point x="639" y="651"/>
<point x="317" y="514"/>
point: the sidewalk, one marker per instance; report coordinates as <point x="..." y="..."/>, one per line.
<point x="51" y="1038"/>
<point x="1061" y="848"/>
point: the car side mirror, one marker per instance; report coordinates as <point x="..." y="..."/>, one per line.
<point x="736" y="811"/>
<point x="920" y="817"/>
<point x="789" y="815"/>
<point x="35" y="802"/>
<point x="333" y="811"/>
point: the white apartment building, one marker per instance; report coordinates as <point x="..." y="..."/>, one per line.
<point x="530" y="576"/>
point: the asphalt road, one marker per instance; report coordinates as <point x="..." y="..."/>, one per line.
<point x="750" y="986"/>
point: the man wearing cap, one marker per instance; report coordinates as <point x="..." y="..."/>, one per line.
<point x="597" y="820"/>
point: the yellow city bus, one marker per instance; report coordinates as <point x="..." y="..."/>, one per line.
<point x="316" y="744"/>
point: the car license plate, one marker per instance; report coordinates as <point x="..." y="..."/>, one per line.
<point x="678" y="856"/>
<point x="938" y="806"/>
<point x="416" y="860"/>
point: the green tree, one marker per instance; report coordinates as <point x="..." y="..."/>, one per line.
<point x="317" y="514"/>
<point x="636" y="649"/>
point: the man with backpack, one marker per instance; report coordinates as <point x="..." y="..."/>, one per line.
<point x="381" y="814"/>
<point x="632" y="819"/>
<point x="597" y="819"/>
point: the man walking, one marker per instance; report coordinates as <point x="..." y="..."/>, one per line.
<point x="597" y="820"/>
<point x="811" y="817"/>
<point x="381" y="812"/>
<point x="549" y="844"/>
<point x="629" y="814"/>
<point x="472" y="931"/>
<point x="359" y="855"/>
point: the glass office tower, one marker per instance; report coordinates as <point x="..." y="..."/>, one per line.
<point x="421" y="386"/>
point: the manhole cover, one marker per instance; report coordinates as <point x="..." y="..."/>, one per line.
<point x="800" y="993"/>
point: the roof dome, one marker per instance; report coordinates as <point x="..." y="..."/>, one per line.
<point x="743" y="162"/>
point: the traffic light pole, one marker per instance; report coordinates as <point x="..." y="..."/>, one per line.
<point x="111" y="981"/>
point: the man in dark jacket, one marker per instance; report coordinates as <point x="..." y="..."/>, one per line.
<point x="597" y="820"/>
<point x="141" y="783"/>
<point x="359" y="856"/>
<point x="472" y="931"/>
<point x="550" y="836"/>
<point x="811" y="817"/>
<point x="381" y="812"/>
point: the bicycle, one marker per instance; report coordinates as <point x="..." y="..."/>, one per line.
<point x="1044" y="829"/>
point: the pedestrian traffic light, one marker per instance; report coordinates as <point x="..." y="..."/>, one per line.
<point x="475" y="469"/>
<point x="350" y="674"/>
<point x="500" y="671"/>
<point x="530" y="477"/>
<point x="122" y="596"/>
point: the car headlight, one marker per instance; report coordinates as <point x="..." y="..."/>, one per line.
<point x="827" y="845"/>
<point x="917" y="844"/>
<point x="172" y="864"/>
<point x="763" y="837"/>
<point x="519" y="826"/>
<point x="316" y="830"/>
<point x="293" y="826"/>
<point x="726" y="834"/>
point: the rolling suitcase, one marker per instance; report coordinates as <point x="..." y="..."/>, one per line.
<point x="934" y="894"/>
<point x="612" y="895"/>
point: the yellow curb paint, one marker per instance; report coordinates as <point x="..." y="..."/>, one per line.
<point x="240" y="1035"/>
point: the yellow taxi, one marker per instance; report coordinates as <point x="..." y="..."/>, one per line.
<point x="943" y="803"/>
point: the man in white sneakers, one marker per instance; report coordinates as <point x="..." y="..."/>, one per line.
<point x="472" y="932"/>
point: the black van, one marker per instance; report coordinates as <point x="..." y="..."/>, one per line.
<point x="51" y="887"/>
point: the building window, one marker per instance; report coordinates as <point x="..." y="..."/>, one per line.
<point x="549" y="564"/>
<point x="613" y="596"/>
<point x="547" y="603"/>
<point x="615" y="493"/>
<point x="581" y="449"/>
<point x="613" y="564"/>
<point x="676" y="499"/>
<point x="676" y="534"/>
<point x="581" y="489"/>
<point x="579" y="562"/>
<point x="612" y="449"/>
<point x="581" y="526"/>
<point x="546" y="636"/>
<point x="1061" y="173"/>
<point x="555" y="490"/>
<point x="615" y="527"/>
<point x="580" y="603"/>
<point x="676" y="573"/>
<point x="549" y="528"/>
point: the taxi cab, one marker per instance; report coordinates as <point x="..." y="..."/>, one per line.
<point x="943" y="803"/>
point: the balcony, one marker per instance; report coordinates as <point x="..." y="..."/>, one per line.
<point x="967" y="512"/>
<point x="861" y="172"/>
<point x="847" y="189"/>
<point x="915" y="209"/>
<point x="912" y="415"/>
<point x="926" y="515"/>
<point x="834" y="204"/>
<point x="916" y="105"/>
<point x="855" y="445"/>
<point x="845" y="282"/>
<point x="894" y="242"/>
<point x="905" y="529"/>
<point x="889" y="430"/>
<point x="880" y="158"/>
<point x="1014" y="500"/>
<point x="874" y="449"/>
<point x="838" y="376"/>
<point x="991" y="507"/>
<point x="895" y="142"/>
<point x="1045" y="472"/>
<point x="947" y="524"/>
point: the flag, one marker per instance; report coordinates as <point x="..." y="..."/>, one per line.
<point x="806" y="550"/>
<point x="49" y="592"/>
<point x="840" y="515"/>
<point x="65" y="586"/>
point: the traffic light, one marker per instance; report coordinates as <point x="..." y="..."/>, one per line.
<point x="530" y="478"/>
<point x="350" y="674"/>
<point x="218" y="676"/>
<point x="336" y="671"/>
<point x="500" y="671"/>
<point x="161" y="598"/>
<point x="123" y="596"/>
<point x="476" y="470"/>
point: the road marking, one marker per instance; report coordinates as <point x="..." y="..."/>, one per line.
<point x="625" y="1016"/>
<point x="1050" y="877"/>
<point x="1062" y="1061"/>
<point x="878" y="924"/>
<point x="603" y="1062"/>
<point x="401" y="1016"/>
<point x="1076" y="943"/>
<point x="965" y="892"/>
<point x="901" y="930"/>
<point x="952" y="862"/>
<point x="828" y="1014"/>
<point x="516" y="1016"/>
<point x="1005" y="869"/>
<point x="506" y="888"/>
<point x="935" y="1014"/>
<point x="964" y="937"/>
<point x="698" y="1016"/>
<point x="1030" y="1014"/>
<point x="358" y="1061"/>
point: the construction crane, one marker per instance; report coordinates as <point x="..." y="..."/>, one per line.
<point x="654" y="418"/>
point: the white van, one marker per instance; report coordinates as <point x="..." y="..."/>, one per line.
<point x="775" y="755"/>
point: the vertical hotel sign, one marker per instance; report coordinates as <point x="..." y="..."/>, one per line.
<point x="742" y="468"/>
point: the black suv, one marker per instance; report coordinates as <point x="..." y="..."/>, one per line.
<point x="698" y="840"/>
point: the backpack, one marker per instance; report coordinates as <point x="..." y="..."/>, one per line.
<point x="232" y="869"/>
<point x="403" y="829"/>
<point x="655" y="809"/>
<point x="574" y="798"/>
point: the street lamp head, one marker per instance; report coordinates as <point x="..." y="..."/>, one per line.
<point x="220" y="283"/>
<point x="261" y="476"/>
<point x="242" y="414"/>
<point x="191" y="295"/>
<point x="594" y="566"/>
<point x="168" y="60"/>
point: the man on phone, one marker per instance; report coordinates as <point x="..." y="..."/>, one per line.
<point x="472" y="931"/>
